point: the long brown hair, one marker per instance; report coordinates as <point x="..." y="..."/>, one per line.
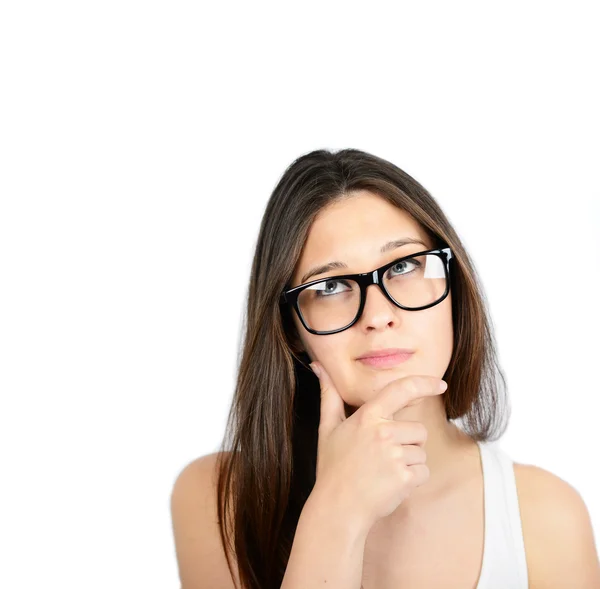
<point x="267" y="461"/>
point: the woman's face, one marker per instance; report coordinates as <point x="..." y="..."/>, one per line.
<point x="352" y="231"/>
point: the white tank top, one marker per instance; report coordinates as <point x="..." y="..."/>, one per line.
<point x="504" y="565"/>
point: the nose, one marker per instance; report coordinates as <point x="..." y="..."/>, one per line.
<point x="379" y="311"/>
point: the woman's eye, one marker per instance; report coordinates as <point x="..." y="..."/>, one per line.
<point x="404" y="266"/>
<point x="331" y="287"/>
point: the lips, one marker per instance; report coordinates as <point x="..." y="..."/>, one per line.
<point x="385" y="362"/>
<point x="382" y="353"/>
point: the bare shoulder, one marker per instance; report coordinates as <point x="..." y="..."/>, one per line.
<point x="557" y="531"/>
<point x="200" y="557"/>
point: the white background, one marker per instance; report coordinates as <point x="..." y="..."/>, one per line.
<point x="139" y="144"/>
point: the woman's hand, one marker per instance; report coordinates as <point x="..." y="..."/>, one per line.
<point x="368" y="463"/>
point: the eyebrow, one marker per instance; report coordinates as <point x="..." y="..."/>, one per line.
<point x="390" y="245"/>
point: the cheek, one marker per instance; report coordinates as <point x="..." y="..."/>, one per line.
<point x="328" y="349"/>
<point x="438" y="339"/>
<point x="302" y="338"/>
<point x="334" y="353"/>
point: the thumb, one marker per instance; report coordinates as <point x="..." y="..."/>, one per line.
<point x="332" y="405"/>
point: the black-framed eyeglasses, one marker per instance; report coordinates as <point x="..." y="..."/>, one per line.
<point x="414" y="282"/>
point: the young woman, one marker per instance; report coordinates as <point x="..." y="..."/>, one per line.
<point x="342" y="465"/>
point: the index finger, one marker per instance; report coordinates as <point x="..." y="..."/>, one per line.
<point x="397" y="394"/>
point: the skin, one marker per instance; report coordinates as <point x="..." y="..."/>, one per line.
<point x="557" y="530"/>
<point x="352" y="231"/>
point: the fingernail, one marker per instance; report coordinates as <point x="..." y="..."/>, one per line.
<point x="315" y="369"/>
<point x="443" y="385"/>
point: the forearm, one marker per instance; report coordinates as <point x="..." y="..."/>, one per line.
<point x="327" y="550"/>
